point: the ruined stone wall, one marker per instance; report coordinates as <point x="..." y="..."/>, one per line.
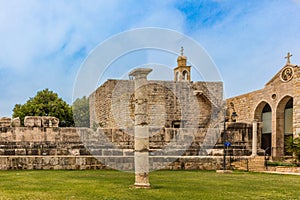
<point x="89" y="162"/>
<point x="112" y="106"/>
<point x="101" y="102"/>
<point x="35" y="141"/>
<point x="213" y="90"/>
<point x="70" y="148"/>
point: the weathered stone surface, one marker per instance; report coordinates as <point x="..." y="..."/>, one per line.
<point x="61" y="148"/>
<point x="5" y="122"/>
<point x="38" y="121"/>
<point x="48" y="121"/>
<point x="112" y="105"/>
<point x="16" y="122"/>
<point x="33" y="121"/>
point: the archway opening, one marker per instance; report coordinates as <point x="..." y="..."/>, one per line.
<point x="288" y="124"/>
<point x="185" y="75"/>
<point x="266" y="136"/>
<point x="284" y="124"/>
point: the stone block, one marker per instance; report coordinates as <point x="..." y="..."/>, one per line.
<point x="74" y="152"/>
<point x="48" y="121"/>
<point x="33" y="121"/>
<point x="20" y="151"/>
<point x="9" y="152"/>
<point x="16" y="122"/>
<point x="5" y="122"/>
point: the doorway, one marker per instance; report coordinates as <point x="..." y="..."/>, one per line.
<point x="266" y="136"/>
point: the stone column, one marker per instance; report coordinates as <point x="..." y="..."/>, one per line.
<point x="254" y="138"/>
<point x="141" y="131"/>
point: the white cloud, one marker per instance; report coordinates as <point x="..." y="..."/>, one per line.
<point x="249" y="46"/>
<point x="44" y="42"/>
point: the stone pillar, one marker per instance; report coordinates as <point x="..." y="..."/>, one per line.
<point x="254" y="138"/>
<point x="141" y="131"/>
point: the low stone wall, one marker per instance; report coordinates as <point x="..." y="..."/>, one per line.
<point x="49" y="162"/>
<point x="284" y="169"/>
<point x="90" y="162"/>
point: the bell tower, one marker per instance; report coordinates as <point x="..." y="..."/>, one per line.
<point x="182" y="72"/>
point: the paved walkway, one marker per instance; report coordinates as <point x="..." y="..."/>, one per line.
<point x="274" y="172"/>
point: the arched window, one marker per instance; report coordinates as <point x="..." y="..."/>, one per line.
<point x="266" y="137"/>
<point x="185" y="75"/>
<point x="288" y="124"/>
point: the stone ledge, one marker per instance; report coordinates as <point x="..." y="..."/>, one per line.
<point x="224" y="171"/>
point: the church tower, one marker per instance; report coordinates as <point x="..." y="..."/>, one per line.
<point x="182" y="72"/>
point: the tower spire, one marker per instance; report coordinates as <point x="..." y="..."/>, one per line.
<point x="182" y="72"/>
<point x="181" y="51"/>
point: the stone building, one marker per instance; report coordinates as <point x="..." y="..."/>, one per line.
<point x="276" y="108"/>
<point x="181" y="103"/>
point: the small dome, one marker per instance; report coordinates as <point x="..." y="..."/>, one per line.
<point x="181" y="58"/>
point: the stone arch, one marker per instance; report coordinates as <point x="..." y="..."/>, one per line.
<point x="185" y="75"/>
<point x="282" y="121"/>
<point x="258" y="110"/>
<point x="263" y="114"/>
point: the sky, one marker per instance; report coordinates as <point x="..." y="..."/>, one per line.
<point x="45" y="43"/>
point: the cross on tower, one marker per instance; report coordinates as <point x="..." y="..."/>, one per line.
<point x="288" y="57"/>
<point x="181" y="50"/>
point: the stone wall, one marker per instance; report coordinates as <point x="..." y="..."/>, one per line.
<point x="112" y="106"/>
<point x="30" y="121"/>
<point x="71" y="148"/>
<point x="89" y="162"/>
<point x="49" y="162"/>
<point x="35" y="141"/>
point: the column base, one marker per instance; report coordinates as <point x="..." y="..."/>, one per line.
<point x="142" y="185"/>
<point x="224" y="171"/>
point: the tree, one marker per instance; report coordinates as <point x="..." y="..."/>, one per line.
<point x="81" y="112"/>
<point x="45" y="103"/>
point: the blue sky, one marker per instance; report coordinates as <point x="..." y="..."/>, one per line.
<point x="43" y="43"/>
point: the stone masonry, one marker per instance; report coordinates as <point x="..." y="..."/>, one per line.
<point x="63" y="148"/>
<point x="112" y="105"/>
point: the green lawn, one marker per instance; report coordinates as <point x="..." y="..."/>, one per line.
<point x="109" y="185"/>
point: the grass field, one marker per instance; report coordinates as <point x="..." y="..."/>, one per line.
<point x="109" y="185"/>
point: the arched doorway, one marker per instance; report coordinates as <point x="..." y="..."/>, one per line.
<point x="263" y="113"/>
<point x="266" y="135"/>
<point x="284" y="124"/>
<point x="288" y="123"/>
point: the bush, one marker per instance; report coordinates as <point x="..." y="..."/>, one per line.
<point x="269" y="163"/>
<point x="293" y="146"/>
